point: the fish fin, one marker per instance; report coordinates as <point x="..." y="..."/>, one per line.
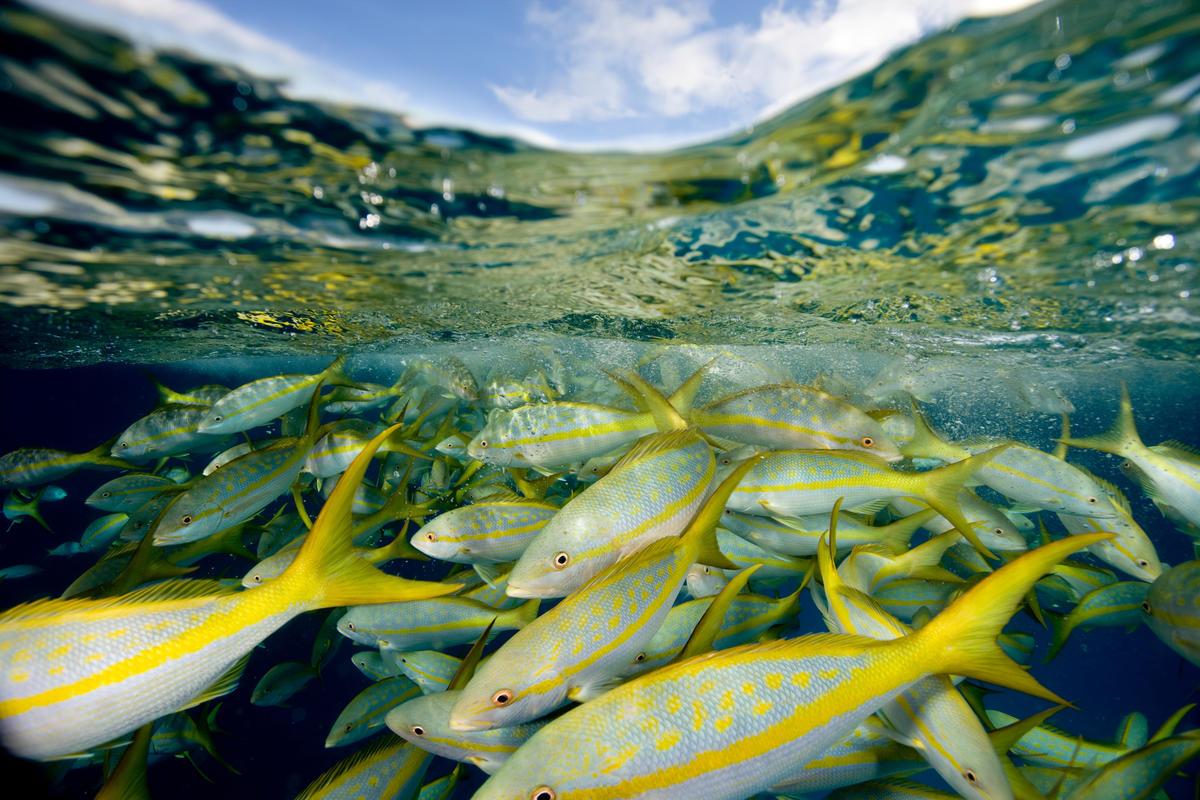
<point x="683" y="397"/>
<point x="921" y="618"/>
<point x="525" y="613"/>
<point x="101" y="456"/>
<point x="935" y="573"/>
<point x="896" y="536"/>
<point x="1005" y="739"/>
<point x="1061" y="628"/>
<point x="466" y="668"/>
<point x="961" y="640"/>
<point x="128" y="780"/>
<point x="872" y="507"/>
<point x="665" y="415"/>
<point x="222" y="685"/>
<point x="922" y="561"/>
<point x="1035" y="607"/>
<point x="532" y="489"/>
<point x="1179" y="450"/>
<point x="329" y="571"/>
<point x="701" y="533"/>
<point x="335" y="373"/>
<point x="195" y="766"/>
<point x="704" y="635"/>
<point x="398" y="547"/>
<point x="1120" y="439"/>
<point x="35" y="514"/>
<point x="926" y="443"/>
<point x="319" y="788"/>
<point x="587" y="692"/>
<point x="653" y="444"/>
<point x="1132" y="732"/>
<point x="941" y="488"/>
<point x="396" y="444"/>
<point x="488" y="573"/>
<point x="1060" y="452"/>
<point x="1168" y="727"/>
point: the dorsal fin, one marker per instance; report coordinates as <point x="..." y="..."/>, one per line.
<point x="1179" y="450"/>
<point x="1006" y="738"/>
<point x="654" y="444"/>
<point x="176" y="589"/>
<point x="704" y="635"/>
<point x="378" y="748"/>
<point x="684" y="397"/>
<point x="665" y="415"/>
<point x="1168" y="727"/>
<point x="1060" y="451"/>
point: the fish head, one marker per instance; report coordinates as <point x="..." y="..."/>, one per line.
<point x="705" y="581"/>
<point x="489" y="446"/>
<point x="186" y="519"/>
<point x="975" y="772"/>
<point x="436" y="540"/>
<point x="559" y="560"/>
<point x="420" y="717"/>
<point x="507" y="691"/>
<point x="451" y="446"/>
<point x="351" y="626"/>
<point x="877" y="443"/>
<point x="529" y="774"/>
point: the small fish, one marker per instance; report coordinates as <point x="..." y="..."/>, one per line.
<point x="204" y="395"/>
<point x="494" y="530"/>
<point x="168" y="431"/>
<point x="66" y="549"/>
<point x="705" y="581"/>
<point x="556" y="435"/>
<point x="772" y="566"/>
<point x="454" y="446"/>
<point x="384" y="769"/>
<point x="75" y="673"/>
<point x="260" y="401"/>
<point x="1171" y="610"/>
<point x="993" y="528"/>
<point x="428" y="624"/>
<point x="732" y="723"/>
<point x="509" y="393"/>
<point x="1131" y="551"/>
<point x="237" y="451"/>
<point x="281" y="682"/>
<point x="798" y="536"/>
<point x="334" y="451"/>
<point x="373" y="665"/>
<point x="364" y="715"/>
<point x="33" y="466"/>
<point x="1139" y="773"/>
<point x="128" y="492"/>
<point x="442" y="788"/>
<point x="274" y="565"/>
<point x="1118" y="605"/>
<point x="362" y="397"/>
<point x="792" y="483"/>
<point x="1169" y="473"/>
<point x="17" y="571"/>
<point x="792" y="417"/>
<point x="426" y="723"/>
<point x="450" y="374"/>
<point x="429" y="669"/>
<point x="651" y="494"/>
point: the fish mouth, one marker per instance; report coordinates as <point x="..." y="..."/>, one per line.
<point x="516" y="590"/>
<point x="466" y="724"/>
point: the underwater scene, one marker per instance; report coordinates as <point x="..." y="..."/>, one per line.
<point x="852" y="455"/>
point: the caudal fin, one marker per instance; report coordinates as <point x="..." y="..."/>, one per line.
<point x="701" y="533"/>
<point x="896" y="536"/>
<point x="926" y="443"/>
<point x="940" y="488"/>
<point x="1121" y="439"/>
<point x="327" y="570"/>
<point x="962" y="639"/>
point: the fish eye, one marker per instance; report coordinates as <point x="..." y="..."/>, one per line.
<point x="639" y="658"/>
<point x="106" y="494"/>
<point x="483" y="442"/>
<point x="561" y="560"/>
<point x="971" y="777"/>
<point x="124" y="445"/>
<point x="1092" y="500"/>
<point x="218" y="418"/>
<point x="543" y="793"/>
<point x="431" y="537"/>
<point x="1146" y="606"/>
<point x="350" y="626"/>
<point x="258" y="578"/>
<point x="417" y="730"/>
<point x="502" y="697"/>
<point x="349" y="727"/>
<point x="998" y="531"/>
<point x="1141" y="562"/>
<point x="186" y="519"/>
<point x="867" y="441"/>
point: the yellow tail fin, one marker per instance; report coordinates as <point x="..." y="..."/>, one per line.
<point x="328" y="572"/>
<point x="926" y="443"/>
<point x="1121" y="439"/>
<point x="962" y="639"/>
<point x="701" y="533"/>
<point x="941" y="487"/>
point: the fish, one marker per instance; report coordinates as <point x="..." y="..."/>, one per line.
<point x="238" y="490"/>
<point x="448" y="373"/>
<point x="1171" y="610"/>
<point x="204" y="395"/>
<point x="18" y="505"/>
<point x="993" y="528"/>
<point x="364" y="715"/>
<point x="384" y="769"/>
<point x="1046" y="745"/>
<point x="334" y="451"/>
<point x="425" y="722"/>
<point x="128" y="779"/>
<point x="128" y="493"/>
<point x="930" y="716"/>
<point x="274" y="565"/>
<point x="33" y="466"/>
<point x="1131" y="551"/>
<point x="76" y="673"/>
<point x="651" y="494"/>
<point x="442" y="788"/>
<point x="772" y="566"/>
<point x="731" y="723"/>
<point x="705" y="581"/>
<point x="237" y="451"/>
<point x="792" y="483"/>
<point x="431" y="670"/>
<point x="373" y="665"/>
<point x="260" y="401"/>
<point x="1118" y="605"/>
<point x="508" y="393"/>
<point x="16" y="571"/>
<point x="794" y="417"/>
<point x="494" y="530"/>
<point x="798" y="536"/>
<point x="1169" y="473"/>
<point x="281" y="682"/>
<point x="429" y="624"/>
<point x="168" y="431"/>
<point x="1138" y="774"/>
<point x="556" y="435"/>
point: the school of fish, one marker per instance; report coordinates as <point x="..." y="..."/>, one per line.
<point x="627" y="567"/>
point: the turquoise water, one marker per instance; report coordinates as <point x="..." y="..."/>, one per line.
<point x="999" y="221"/>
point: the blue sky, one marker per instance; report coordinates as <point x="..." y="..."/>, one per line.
<point x="599" y="74"/>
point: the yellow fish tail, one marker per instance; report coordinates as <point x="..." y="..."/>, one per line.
<point x="962" y="639"/>
<point x="327" y="570"/>
<point x="1121" y="439"/>
<point x="941" y="490"/>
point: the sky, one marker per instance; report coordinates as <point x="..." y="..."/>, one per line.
<point x="578" y="74"/>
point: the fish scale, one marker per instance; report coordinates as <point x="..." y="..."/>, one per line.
<point x="166" y="431"/>
<point x="495" y="531"/>
<point x="556" y="434"/>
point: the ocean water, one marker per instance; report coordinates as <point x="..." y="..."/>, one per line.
<point x="1000" y="221"/>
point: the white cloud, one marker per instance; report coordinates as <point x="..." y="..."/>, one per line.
<point x="624" y="58"/>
